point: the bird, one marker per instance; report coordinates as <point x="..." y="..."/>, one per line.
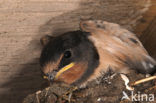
<point x="78" y="57"/>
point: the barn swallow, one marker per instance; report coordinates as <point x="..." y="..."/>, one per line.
<point x="78" y="57"/>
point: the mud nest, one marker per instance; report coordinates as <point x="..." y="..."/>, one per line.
<point x="106" y="89"/>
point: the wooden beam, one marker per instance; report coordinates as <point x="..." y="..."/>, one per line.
<point x="146" y="20"/>
<point x="146" y="29"/>
<point x="148" y="38"/>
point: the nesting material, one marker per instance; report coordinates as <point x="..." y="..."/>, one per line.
<point x="108" y="90"/>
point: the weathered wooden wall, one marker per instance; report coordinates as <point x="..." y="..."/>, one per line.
<point x="23" y="22"/>
<point x="148" y="38"/>
<point x="146" y="29"/>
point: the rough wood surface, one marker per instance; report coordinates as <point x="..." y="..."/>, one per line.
<point x="149" y="38"/>
<point x="146" y="29"/>
<point x="23" y="22"/>
<point x="147" y="19"/>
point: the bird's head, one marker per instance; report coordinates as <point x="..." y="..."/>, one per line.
<point x="70" y="57"/>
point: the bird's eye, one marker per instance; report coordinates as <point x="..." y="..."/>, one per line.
<point x="67" y="54"/>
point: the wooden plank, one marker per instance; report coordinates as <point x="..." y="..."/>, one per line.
<point x="23" y="22"/>
<point x="148" y="38"/>
<point x="146" y="29"/>
<point x="147" y="19"/>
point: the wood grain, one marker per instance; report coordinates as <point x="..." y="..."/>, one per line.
<point x="146" y="29"/>
<point x="146" y="20"/>
<point x="148" y="38"/>
<point x="23" y="22"/>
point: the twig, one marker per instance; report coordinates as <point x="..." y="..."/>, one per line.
<point x="143" y="80"/>
<point x="38" y="92"/>
<point x="47" y="90"/>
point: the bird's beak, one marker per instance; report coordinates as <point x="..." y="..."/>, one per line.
<point x="45" y="77"/>
<point x="50" y="76"/>
<point x="54" y="74"/>
<point x="64" y="69"/>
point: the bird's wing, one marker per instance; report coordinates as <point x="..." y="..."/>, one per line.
<point x="119" y="44"/>
<point x="112" y="29"/>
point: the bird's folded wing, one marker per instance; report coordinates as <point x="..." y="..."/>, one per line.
<point x="120" y="43"/>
